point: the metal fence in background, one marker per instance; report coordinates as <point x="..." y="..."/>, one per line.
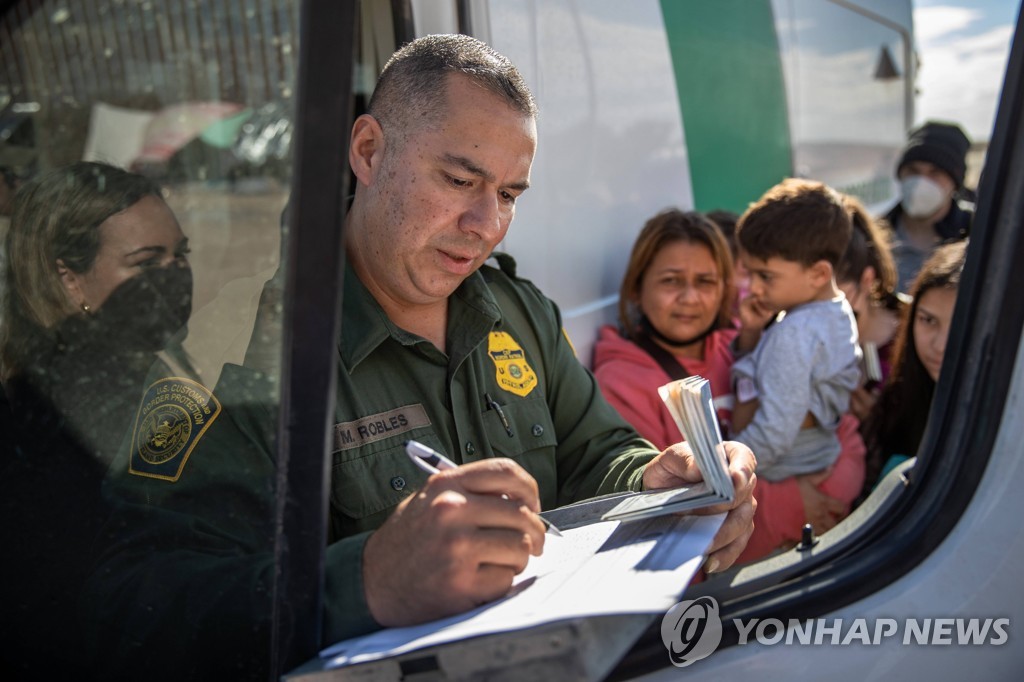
<point x="59" y="57"/>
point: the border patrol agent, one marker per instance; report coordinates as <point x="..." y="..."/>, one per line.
<point x="517" y="392"/>
<point x="436" y="347"/>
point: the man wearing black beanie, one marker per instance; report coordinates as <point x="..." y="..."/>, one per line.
<point x="931" y="174"/>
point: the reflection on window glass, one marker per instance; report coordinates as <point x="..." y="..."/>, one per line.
<point x="844" y="70"/>
<point x="145" y="161"/>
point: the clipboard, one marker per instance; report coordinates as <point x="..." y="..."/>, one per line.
<point x="577" y="612"/>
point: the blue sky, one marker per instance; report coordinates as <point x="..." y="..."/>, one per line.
<point x="963" y="46"/>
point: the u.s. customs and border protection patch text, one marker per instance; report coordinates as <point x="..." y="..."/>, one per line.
<point x="513" y="374"/>
<point x="174" y="414"/>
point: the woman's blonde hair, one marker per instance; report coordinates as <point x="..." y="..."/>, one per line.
<point x="56" y="217"/>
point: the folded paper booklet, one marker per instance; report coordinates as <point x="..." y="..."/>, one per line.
<point x="872" y="365"/>
<point x="689" y="400"/>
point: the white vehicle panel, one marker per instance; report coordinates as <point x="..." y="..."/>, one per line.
<point x="610" y="151"/>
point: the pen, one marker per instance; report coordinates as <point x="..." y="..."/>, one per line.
<point x="493" y="405"/>
<point x="432" y="461"/>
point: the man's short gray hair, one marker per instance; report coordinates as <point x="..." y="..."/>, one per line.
<point x="411" y="90"/>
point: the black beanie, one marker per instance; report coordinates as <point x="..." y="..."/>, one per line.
<point x="943" y="144"/>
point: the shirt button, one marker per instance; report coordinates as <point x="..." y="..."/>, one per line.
<point x="469" y="448"/>
<point x="398" y="483"/>
<point x="538" y="430"/>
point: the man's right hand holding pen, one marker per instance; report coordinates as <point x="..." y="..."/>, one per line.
<point x="455" y="544"/>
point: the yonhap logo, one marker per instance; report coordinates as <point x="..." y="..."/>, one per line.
<point x="691" y="630"/>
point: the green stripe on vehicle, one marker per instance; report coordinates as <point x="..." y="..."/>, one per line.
<point x="732" y="97"/>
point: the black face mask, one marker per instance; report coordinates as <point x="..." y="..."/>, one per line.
<point x="648" y="328"/>
<point x="144" y="312"/>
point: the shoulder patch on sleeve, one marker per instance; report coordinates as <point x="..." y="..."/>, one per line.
<point x="173" y="416"/>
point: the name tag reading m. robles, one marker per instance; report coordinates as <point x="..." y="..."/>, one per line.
<point x="174" y="415"/>
<point x="354" y="434"/>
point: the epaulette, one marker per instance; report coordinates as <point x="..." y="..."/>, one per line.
<point x="506" y="263"/>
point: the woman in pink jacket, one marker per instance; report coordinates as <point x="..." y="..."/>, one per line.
<point x="675" y="313"/>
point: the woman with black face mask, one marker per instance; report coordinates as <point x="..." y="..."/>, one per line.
<point x="97" y="283"/>
<point x="97" y="290"/>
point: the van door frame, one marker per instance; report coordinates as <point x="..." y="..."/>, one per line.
<point x="313" y="276"/>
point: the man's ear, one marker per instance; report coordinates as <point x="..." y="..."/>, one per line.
<point x="72" y="283"/>
<point x="366" y="148"/>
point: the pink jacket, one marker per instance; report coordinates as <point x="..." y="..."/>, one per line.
<point x="629" y="379"/>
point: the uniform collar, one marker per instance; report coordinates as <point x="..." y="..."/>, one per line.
<point x="472" y="313"/>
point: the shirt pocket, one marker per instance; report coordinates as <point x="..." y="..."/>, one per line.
<point x="533" y="443"/>
<point x="367" y="484"/>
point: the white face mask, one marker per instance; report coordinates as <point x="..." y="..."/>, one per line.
<point x="922" y="196"/>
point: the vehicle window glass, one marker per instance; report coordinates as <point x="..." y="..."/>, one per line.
<point x="146" y="157"/>
<point x="847" y="73"/>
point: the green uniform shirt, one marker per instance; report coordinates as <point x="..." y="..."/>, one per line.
<point x="506" y="347"/>
<point x="515" y="369"/>
<point x="509" y="385"/>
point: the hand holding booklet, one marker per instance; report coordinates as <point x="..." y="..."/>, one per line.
<point x="690" y="403"/>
